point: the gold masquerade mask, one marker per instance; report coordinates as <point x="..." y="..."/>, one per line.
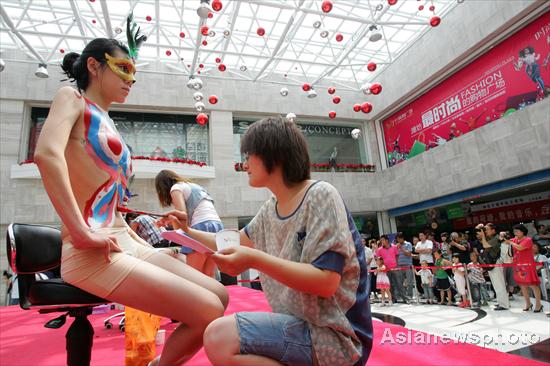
<point x="123" y="67"/>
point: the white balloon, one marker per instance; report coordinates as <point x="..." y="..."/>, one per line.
<point x="355" y="133"/>
<point x="317" y="24"/>
<point x="199" y="106"/>
<point x="366" y="88"/>
<point x="284" y="92"/>
<point x="226" y="33"/>
<point x="197" y="85"/>
<point x="324" y="34"/>
<point x="191" y="83"/>
<point x="198" y="96"/>
<point x="311" y="94"/>
<point x="291" y="117"/>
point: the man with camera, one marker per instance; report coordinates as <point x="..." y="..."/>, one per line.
<point x="487" y="235"/>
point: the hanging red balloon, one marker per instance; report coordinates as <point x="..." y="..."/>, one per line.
<point x="204" y="43"/>
<point x="260" y="31"/>
<point x="217" y="5"/>
<point x="198" y="72"/>
<point x="92" y="1"/>
<point x="204" y="30"/>
<point x="366" y="107"/>
<point x="331" y="90"/>
<point x="376" y="88"/>
<point x="421" y="7"/>
<point x="339" y="37"/>
<point x="93" y="21"/>
<point x="182" y="35"/>
<point x="432" y="8"/>
<point x="201" y="66"/>
<point x="332" y="114"/>
<point x="221" y="67"/>
<point x="435" y="21"/>
<point x="202" y="119"/>
<point x="61" y="50"/>
<point x="168" y="52"/>
<point x="392" y="2"/>
<point x="356" y="107"/>
<point x="213" y="99"/>
<point x="218" y="60"/>
<point x="371" y="66"/>
<point x="336" y="100"/>
<point x="326" y="6"/>
<point x="148" y="18"/>
<point x="210" y="15"/>
<point x="306" y="87"/>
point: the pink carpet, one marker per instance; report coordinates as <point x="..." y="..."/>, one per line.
<point x="25" y="342"/>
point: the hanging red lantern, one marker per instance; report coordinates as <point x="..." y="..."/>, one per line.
<point x="435" y="21"/>
<point x="432" y="8"/>
<point x="182" y="35"/>
<point x="356" y="107"/>
<point x="371" y="66"/>
<point x="201" y="66"/>
<point x="332" y="114"/>
<point x="260" y="31"/>
<point x="217" y="5"/>
<point x="366" y="107"/>
<point x="336" y="100"/>
<point x="339" y="37"/>
<point x="331" y="90"/>
<point x="221" y="67"/>
<point x="210" y="15"/>
<point x="61" y="50"/>
<point x="376" y="88"/>
<point x="168" y="52"/>
<point x="306" y="87"/>
<point x="218" y="60"/>
<point x="204" y="30"/>
<point x="326" y="6"/>
<point x="204" y="43"/>
<point x="392" y="2"/>
<point x="421" y="7"/>
<point x="148" y="18"/>
<point x="213" y="99"/>
<point x="202" y="119"/>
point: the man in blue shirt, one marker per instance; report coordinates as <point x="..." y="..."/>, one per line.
<point x="404" y="259"/>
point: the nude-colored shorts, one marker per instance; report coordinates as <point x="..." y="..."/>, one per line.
<point x="88" y="270"/>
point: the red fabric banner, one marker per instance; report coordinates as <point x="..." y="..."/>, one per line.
<point x="511" y="76"/>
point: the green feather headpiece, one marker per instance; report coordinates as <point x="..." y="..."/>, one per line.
<point x="134" y="38"/>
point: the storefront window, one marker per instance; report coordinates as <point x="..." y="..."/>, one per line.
<point x="147" y="134"/>
<point x="323" y="141"/>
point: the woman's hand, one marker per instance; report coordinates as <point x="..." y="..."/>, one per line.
<point x="178" y="220"/>
<point x="234" y="260"/>
<point x="98" y="241"/>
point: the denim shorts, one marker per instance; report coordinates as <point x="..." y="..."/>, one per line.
<point x="281" y="337"/>
<point x="210" y="226"/>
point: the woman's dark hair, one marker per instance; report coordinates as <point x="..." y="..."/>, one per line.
<point x="75" y="66"/>
<point x="438" y="251"/>
<point x="164" y="181"/>
<point x="279" y="142"/>
<point x="521" y="228"/>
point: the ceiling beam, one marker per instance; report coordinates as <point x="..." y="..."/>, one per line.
<point x="106" y="16"/>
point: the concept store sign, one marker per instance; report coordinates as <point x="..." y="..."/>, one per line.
<point x="308" y="130"/>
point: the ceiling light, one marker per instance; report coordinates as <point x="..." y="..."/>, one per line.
<point x="2" y="65"/>
<point x="317" y="24"/>
<point x="42" y="71"/>
<point x="375" y="33"/>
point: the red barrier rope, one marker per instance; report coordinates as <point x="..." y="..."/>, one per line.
<point x="461" y="265"/>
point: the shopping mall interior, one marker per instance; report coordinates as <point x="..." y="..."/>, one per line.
<point x="430" y="118"/>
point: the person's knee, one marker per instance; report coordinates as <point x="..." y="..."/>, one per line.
<point x="211" y="309"/>
<point x="219" y="341"/>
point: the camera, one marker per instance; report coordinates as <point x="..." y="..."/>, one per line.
<point x="478" y="230"/>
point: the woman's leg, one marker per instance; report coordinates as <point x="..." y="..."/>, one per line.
<point x="209" y="267"/>
<point x="525" y="293"/>
<point x="222" y="345"/>
<point x="166" y="287"/>
<point x="536" y="291"/>
<point x="198" y="261"/>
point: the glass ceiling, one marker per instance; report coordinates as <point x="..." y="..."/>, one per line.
<point x="292" y="51"/>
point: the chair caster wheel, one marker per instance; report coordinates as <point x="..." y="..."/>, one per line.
<point x="108" y="325"/>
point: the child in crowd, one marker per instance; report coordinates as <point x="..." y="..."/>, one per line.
<point x="460" y="280"/>
<point x="426" y="277"/>
<point x="475" y="276"/>
<point x="382" y="281"/>
<point x="442" y="278"/>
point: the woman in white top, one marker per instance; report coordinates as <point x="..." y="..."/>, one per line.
<point x="183" y="195"/>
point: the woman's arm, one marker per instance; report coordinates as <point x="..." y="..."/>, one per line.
<point x="303" y="277"/>
<point x="49" y="156"/>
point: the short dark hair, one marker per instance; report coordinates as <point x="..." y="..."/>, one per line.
<point x="521" y="228"/>
<point x="75" y="66"/>
<point x="279" y="142"/>
<point x="400" y="236"/>
<point x="490" y="225"/>
<point x="384" y="237"/>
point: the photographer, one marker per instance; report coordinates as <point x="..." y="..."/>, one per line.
<point x="487" y="235"/>
<point x="459" y="248"/>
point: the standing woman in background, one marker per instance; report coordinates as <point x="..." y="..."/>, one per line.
<point x="85" y="167"/>
<point x="174" y="190"/>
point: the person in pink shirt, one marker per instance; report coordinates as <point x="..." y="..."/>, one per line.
<point x="389" y="253"/>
